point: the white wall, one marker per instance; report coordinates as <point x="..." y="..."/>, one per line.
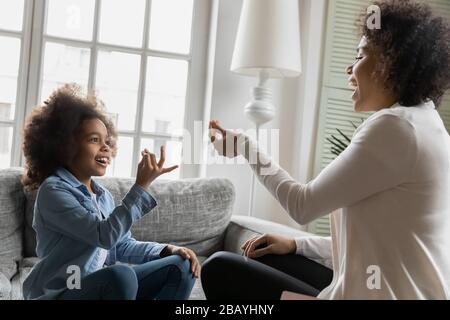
<point x="230" y="92"/>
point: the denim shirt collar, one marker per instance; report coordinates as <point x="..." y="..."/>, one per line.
<point x="67" y="176"/>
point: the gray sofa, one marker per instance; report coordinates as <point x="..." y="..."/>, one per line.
<point x="196" y="213"/>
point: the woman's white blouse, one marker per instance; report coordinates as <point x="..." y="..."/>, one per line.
<point x="391" y="238"/>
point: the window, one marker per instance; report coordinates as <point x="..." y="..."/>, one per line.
<point x="138" y="55"/>
<point x="12" y="38"/>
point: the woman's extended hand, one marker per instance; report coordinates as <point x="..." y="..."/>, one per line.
<point x="186" y="253"/>
<point x="268" y="244"/>
<point x="148" y="169"/>
<point x="226" y="142"/>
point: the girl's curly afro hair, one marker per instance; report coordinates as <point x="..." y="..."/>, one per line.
<point x="50" y="132"/>
<point x="413" y="47"/>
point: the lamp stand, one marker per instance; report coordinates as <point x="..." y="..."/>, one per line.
<point x="259" y="110"/>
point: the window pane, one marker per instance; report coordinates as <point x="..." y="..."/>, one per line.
<point x="170" y="25"/>
<point x="122" y="22"/>
<point x="6" y="134"/>
<point x="72" y="19"/>
<point x="9" y="69"/>
<point x="117" y="85"/>
<point x="11" y="14"/>
<point x="64" y="64"/>
<point x="121" y="165"/>
<point x="173" y="154"/>
<point x="165" y="95"/>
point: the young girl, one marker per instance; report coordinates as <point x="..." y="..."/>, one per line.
<point x="67" y="142"/>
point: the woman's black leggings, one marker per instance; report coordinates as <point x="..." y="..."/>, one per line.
<point x="227" y="275"/>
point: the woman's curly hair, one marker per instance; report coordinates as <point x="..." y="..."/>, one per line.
<point x="50" y="132"/>
<point x="413" y="46"/>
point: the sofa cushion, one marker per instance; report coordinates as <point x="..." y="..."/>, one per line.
<point x="25" y="267"/>
<point x="5" y="287"/>
<point x="191" y="212"/>
<point x="12" y="201"/>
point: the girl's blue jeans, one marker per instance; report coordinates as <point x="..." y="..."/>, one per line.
<point x="167" y="278"/>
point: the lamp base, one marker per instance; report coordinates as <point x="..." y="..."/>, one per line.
<point x="260" y="109"/>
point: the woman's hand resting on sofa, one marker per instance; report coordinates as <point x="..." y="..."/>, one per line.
<point x="185" y="253"/>
<point x="268" y="244"/>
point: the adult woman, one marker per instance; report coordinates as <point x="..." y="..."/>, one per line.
<point x="392" y="182"/>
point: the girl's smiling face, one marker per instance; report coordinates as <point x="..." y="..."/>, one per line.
<point x="94" y="153"/>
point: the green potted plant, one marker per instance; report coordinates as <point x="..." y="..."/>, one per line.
<point x="340" y="144"/>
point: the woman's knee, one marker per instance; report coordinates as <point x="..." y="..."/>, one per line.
<point x="220" y="258"/>
<point x="123" y="281"/>
<point x="218" y="262"/>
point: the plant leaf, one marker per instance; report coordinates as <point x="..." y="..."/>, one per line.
<point x="339" y="147"/>
<point x="340" y="142"/>
<point x="343" y="134"/>
<point x="354" y="126"/>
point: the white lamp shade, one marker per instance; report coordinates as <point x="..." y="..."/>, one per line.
<point x="268" y="38"/>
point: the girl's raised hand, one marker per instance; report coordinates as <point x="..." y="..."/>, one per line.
<point x="148" y="169"/>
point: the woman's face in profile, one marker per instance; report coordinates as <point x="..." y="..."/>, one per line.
<point x="369" y="94"/>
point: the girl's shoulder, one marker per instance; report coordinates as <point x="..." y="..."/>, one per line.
<point x="54" y="187"/>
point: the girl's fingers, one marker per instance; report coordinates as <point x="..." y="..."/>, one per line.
<point x="148" y="162"/>
<point x="197" y="269"/>
<point x="162" y="157"/>
<point x="145" y="160"/>
<point x="184" y="254"/>
<point x="141" y="163"/>
<point x="193" y="260"/>
<point x="153" y="160"/>
<point x="194" y="265"/>
<point x="165" y="170"/>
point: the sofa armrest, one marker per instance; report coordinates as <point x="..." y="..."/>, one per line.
<point x="5" y="287"/>
<point x="242" y="228"/>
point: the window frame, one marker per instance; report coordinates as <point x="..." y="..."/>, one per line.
<point x="22" y="82"/>
<point x="31" y="74"/>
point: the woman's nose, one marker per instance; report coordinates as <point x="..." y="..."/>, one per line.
<point x="349" y="70"/>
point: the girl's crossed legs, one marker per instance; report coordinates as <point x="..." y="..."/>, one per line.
<point x="167" y="278"/>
